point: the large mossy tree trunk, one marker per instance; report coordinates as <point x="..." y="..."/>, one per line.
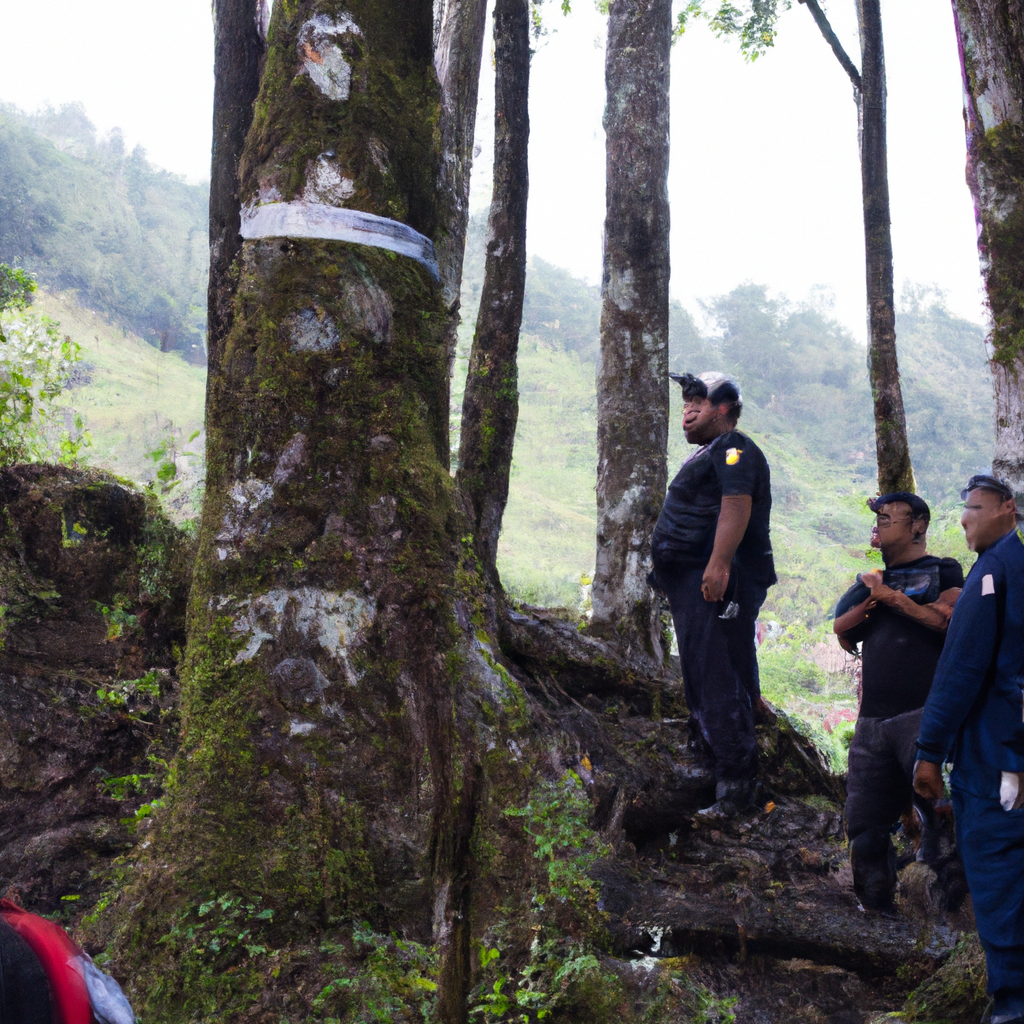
<point x="238" y="51"/>
<point x="490" y="407"/>
<point x="895" y="472"/>
<point x="632" y="382"/>
<point x="991" y="36"/>
<point x="329" y="767"/>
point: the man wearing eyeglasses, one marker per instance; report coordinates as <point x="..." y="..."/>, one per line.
<point x="899" y="618"/>
<point x="975" y="718"/>
<point x="712" y="557"/>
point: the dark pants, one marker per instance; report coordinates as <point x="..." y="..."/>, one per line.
<point x="991" y="843"/>
<point x="879" y="788"/>
<point x="719" y="664"/>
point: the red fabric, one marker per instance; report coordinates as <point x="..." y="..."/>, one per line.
<point x="55" y="951"/>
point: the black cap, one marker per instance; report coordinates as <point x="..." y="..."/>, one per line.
<point x="918" y="506"/>
<point x="989" y="483"/>
<point x="719" y="387"/>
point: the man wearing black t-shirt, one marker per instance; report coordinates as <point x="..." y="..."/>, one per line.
<point x="900" y="619"/>
<point x="713" y="558"/>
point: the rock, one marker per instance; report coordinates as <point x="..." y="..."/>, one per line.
<point x="93" y="581"/>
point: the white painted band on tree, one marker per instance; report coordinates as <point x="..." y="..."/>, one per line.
<point x="300" y="219"/>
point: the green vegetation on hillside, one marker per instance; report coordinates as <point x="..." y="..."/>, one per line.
<point x="133" y="398"/>
<point x="83" y="217"/>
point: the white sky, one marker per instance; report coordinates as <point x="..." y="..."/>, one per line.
<point x="764" y="180"/>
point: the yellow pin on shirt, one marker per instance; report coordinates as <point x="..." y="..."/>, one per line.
<point x="732" y="456"/>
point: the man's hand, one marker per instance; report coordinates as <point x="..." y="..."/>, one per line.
<point x="716" y="579"/>
<point x="880" y="593"/>
<point x="928" y="780"/>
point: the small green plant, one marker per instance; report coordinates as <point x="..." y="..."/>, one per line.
<point x="142" y="812"/>
<point x="557" y="973"/>
<point x="165" y="455"/>
<point x="222" y="929"/>
<point x="122" y="786"/>
<point x="120" y="694"/>
<point x="557" y="816"/>
<point x="394" y="976"/>
<point x="118" y="618"/>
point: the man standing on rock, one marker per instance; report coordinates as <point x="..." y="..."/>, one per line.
<point x="712" y="557"/>
<point x="975" y="718"/>
<point x="900" y="619"/>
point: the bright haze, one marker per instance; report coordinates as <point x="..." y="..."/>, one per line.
<point x="764" y="179"/>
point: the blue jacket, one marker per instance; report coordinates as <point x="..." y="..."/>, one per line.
<point x="974" y="715"/>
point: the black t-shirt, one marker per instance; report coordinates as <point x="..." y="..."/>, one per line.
<point x="685" y="532"/>
<point x="899" y="654"/>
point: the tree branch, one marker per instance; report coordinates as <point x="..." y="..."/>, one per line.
<point x="830" y="37"/>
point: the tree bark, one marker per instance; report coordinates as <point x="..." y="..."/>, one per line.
<point x="895" y="472"/>
<point x="329" y="767"/>
<point x="238" y="51"/>
<point x="459" y="27"/>
<point x="632" y="383"/>
<point x="490" y="407"/>
<point x="991" y="37"/>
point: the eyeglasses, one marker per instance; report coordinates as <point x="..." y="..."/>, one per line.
<point x="884" y="522"/>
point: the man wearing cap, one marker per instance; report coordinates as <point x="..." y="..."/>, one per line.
<point x="712" y="557"/>
<point x="900" y="619"/>
<point x="974" y="717"/>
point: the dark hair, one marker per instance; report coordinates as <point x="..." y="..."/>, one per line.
<point x="918" y="506"/>
<point x="724" y="392"/>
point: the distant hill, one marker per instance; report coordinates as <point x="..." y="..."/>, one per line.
<point x="85" y="217"/>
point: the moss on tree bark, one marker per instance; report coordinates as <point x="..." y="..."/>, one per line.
<point x="991" y="37"/>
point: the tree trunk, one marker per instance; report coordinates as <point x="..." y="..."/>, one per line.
<point x="329" y="769"/>
<point x="632" y="383"/>
<point x="991" y="36"/>
<point x="238" y="50"/>
<point x="894" y="469"/>
<point x="457" y="56"/>
<point x="491" y="403"/>
<point x="459" y="29"/>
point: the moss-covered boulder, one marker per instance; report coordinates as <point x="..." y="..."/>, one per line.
<point x="93" y="580"/>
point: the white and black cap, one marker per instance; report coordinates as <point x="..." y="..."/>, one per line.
<point x="718" y="387"/>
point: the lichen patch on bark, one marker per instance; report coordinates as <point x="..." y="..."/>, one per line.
<point x="312" y="330"/>
<point x="323" y="59"/>
<point x="325" y="182"/>
<point x="336" y="622"/>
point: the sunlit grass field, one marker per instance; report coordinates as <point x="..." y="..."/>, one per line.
<point x="131" y="396"/>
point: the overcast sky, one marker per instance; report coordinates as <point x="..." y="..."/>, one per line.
<point x="764" y="179"/>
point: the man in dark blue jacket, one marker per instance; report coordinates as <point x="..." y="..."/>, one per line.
<point x="974" y="717"/>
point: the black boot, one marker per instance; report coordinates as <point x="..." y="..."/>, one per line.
<point x="873" y="860"/>
<point x="731" y="798"/>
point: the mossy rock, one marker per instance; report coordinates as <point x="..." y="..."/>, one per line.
<point x="955" y="993"/>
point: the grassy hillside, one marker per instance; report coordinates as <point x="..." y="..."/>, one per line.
<point x="84" y="217"/>
<point x="132" y="397"/>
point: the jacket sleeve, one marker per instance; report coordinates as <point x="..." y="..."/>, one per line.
<point x="967" y="657"/>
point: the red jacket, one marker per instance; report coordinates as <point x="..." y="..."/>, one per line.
<point x="57" y="953"/>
